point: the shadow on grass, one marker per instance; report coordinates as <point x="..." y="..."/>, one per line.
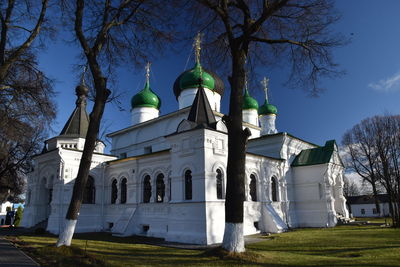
<point x="244" y="258"/>
<point x="136" y="250"/>
<point x="330" y="251"/>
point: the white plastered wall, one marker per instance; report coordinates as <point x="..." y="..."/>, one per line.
<point x="89" y="217"/>
<point x="187" y="96"/>
<point x="268" y="124"/>
<point x="250" y="116"/>
<point x="54" y="174"/>
<point x="317" y="201"/>
<point x="142" y="114"/>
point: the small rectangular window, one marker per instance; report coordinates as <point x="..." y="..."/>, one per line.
<point x="122" y="155"/>
<point x="148" y="150"/>
<point x="374" y="211"/>
<point x="362" y="211"/>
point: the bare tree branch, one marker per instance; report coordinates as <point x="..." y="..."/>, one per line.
<point x="7" y="62"/>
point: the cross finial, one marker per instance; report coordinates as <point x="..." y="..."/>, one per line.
<point x="245" y="82"/>
<point x="83" y="75"/>
<point x="148" y="72"/>
<point x="265" y="82"/>
<point x="197" y="47"/>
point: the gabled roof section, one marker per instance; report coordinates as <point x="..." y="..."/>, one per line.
<point x="263" y="156"/>
<point x="201" y="112"/>
<point x="268" y="136"/>
<point x="78" y="123"/>
<point x="367" y="199"/>
<point x="115" y="161"/>
<point x="314" y="156"/>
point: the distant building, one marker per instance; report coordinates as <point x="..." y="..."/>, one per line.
<point x="364" y="206"/>
<point x="3" y="211"/>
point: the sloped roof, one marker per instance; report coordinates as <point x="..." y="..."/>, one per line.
<point x="201" y="112"/>
<point x="268" y="136"/>
<point x="78" y="123"/>
<point x="314" y="156"/>
<point x="367" y="199"/>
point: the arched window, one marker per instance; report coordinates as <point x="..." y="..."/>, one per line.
<point x="50" y="197"/>
<point x="253" y="187"/>
<point x="170" y="188"/>
<point x="146" y="189"/>
<point x="274" y="189"/>
<point x="219" y="184"/>
<point x="114" y="191"/>
<point x="188" y="184"/>
<point x="160" y="188"/>
<point x="89" y="195"/>
<point x="123" y="191"/>
<point x="28" y="198"/>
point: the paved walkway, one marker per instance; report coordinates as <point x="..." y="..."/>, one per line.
<point x="10" y="256"/>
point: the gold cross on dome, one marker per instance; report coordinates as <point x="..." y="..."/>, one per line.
<point x="265" y="82"/>
<point x="197" y="46"/>
<point x="148" y="71"/>
<point x="83" y="75"/>
<point x="246" y="86"/>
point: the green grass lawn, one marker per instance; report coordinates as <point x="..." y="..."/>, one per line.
<point x="339" y="246"/>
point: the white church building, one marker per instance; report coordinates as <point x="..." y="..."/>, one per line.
<point x="166" y="175"/>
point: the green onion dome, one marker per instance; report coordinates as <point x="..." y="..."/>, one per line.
<point x="146" y="98"/>
<point x="249" y="102"/>
<point x="191" y="78"/>
<point x="267" y="109"/>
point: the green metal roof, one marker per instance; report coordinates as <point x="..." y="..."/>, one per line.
<point x="267" y="109"/>
<point x="190" y="79"/>
<point x="146" y="98"/>
<point x="249" y="102"/>
<point x="314" y="156"/>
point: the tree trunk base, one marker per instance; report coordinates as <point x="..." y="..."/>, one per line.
<point x="65" y="237"/>
<point x="233" y="237"/>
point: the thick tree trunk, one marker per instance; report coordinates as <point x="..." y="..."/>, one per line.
<point x="235" y="191"/>
<point x="392" y="209"/>
<point x="233" y="237"/>
<point x="65" y="237"/>
<point x="397" y="201"/>
<point x="375" y="192"/>
<point x="84" y="166"/>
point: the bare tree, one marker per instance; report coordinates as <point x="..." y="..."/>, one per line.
<point x="262" y="32"/>
<point x="26" y="109"/>
<point x="109" y="33"/>
<point x="359" y="142"/>
<point x="374" y="150"/>
<point x="17" y="32"/>
<point x="18" y="143"/>
<point x="350" y="188"/>
<point x="387" y="136"/>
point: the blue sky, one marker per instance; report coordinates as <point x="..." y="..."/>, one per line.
<point x="370" y="87"/>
